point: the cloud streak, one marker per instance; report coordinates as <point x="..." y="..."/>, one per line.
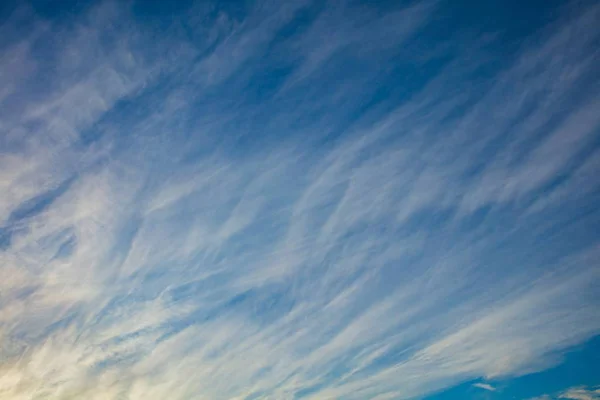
<point x="226" y="213"/>
<point x="484" y="386"/>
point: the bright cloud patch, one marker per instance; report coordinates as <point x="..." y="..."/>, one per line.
<point x="285" y="200"/>
<point x="580" y="393"/>
<point x="485" y="386"/>
<point x="574" y="393"/>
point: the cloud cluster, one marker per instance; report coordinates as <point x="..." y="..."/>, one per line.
<point x="581" y="393"/>
<point x="228" y="207"/>
<point x="574" y="393"/>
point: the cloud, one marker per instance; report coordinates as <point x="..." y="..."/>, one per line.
<point x="574" y="393"/>
<point x="485" y="386"/>
<point x="580" y="393"/>
<point x="223" y="211"/>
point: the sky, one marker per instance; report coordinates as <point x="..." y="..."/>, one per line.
<point x="299" y="199"/>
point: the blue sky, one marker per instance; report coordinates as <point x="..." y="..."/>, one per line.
<point x="299" y="200"/>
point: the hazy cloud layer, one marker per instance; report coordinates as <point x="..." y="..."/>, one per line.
<point x="293" y="200"/>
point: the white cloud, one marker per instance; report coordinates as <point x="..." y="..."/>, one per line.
<point x="173" y="264"/>
<point x="580" y="393"/>
<point x="574" y="393"/>
<point x="485" y="386"/>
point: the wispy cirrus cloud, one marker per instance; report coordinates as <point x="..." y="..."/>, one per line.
<point x="226" y="212"/>
<point x="484" y="386"/>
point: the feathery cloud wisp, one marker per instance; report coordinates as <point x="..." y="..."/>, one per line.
<point x="485" y="386"/>
<point x="227" y="210"/>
